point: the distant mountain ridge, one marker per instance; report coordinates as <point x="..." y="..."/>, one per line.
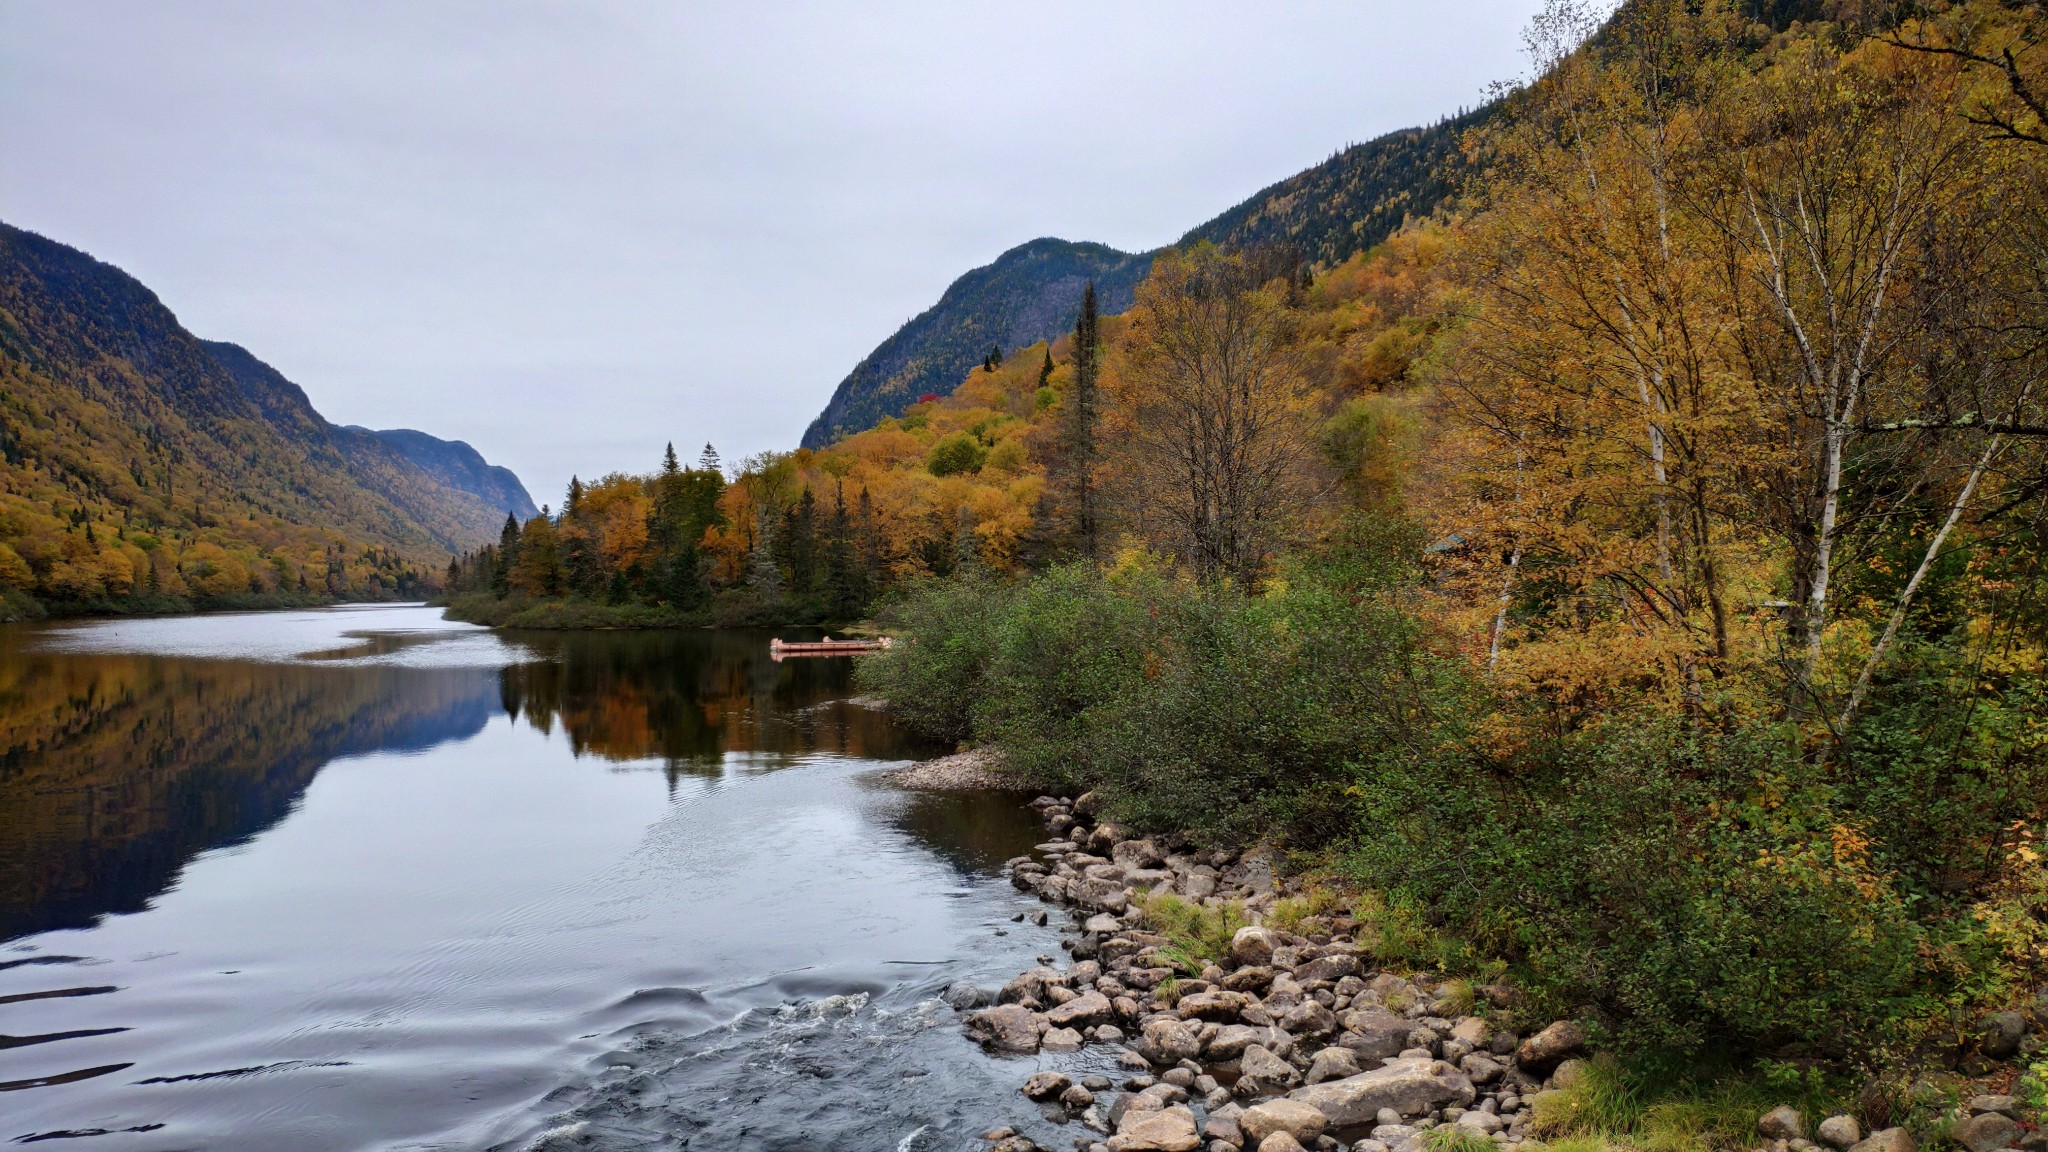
<point x="1344" y="205"/>
<point x="116" y="420"/>
<point x="1028" y="294"/>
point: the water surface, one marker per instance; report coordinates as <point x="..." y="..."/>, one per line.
<point x="361" y="878"/>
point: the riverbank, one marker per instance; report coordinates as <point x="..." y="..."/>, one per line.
<point x="16" y="606"/>
<point x="976" y="770"/>
<point x="1248" y="1010"/>
<point x="573" y="613"/>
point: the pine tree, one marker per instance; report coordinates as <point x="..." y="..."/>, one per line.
<point x="708" y="461"/>
<point x="1082" y="412"/>
<point x="1045" y="369"/>
<point x="764" y="576"/>
<point x="508" y="554"/>
<point x="669" y="467"/>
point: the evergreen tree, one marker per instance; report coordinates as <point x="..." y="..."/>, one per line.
<point x="669" y="467"/>
<point x="799" y="541"/>
<point x="1045" y="369"/>
<point x="764" y="576"/>
<point x="846" y="585"/>
<point x="708" y="461"/>
<point x="1083" y="404"/>
<point x="966" y="545"/>
<point x="508" y="554"/>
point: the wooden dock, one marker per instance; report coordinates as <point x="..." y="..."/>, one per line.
<point x="779" y="649"/>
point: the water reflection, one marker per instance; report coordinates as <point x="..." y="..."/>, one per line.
<point x="115" y="770"/>
<point x="693" y="700"/>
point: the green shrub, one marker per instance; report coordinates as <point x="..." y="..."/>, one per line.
<point x="946" y="635"/>
<point x="960" y="452"/>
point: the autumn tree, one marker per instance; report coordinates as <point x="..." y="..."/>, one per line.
<point x="1214" y="420"/>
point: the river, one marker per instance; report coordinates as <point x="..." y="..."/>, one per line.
<point x="361" y="878"/>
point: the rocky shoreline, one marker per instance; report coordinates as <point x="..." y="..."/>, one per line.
<point x="972" y="771"/>
<point x="1291" y="1042"/>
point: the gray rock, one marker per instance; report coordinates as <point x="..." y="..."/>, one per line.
<point x="1470" y="1030"/>
<point x="1166" y="1041"/>
<point x="1886" y="1140"/>
<point x="1281" y="1142"/>
<point x="1221" y="1006"/>
<point x="1103" y="924"/>
<point x="1480" y="1121"/>
<point x="1253" y="945"/>
<point x="1259" y="1068"/>
<point x="1309" y="1019"/>
<point x="1046" y="1085"/>
<point x="1138" y="854"/>
<point x="1006" y="1028"/>
<point x="1840" y="1131"/>
<point x="1546" y="1049"/>
<point x="1410" y="1087"/>
<point x="1986" y="1133"/>
<point x="1999" y="1034"/>
<point x="2006" y="1105"/>
<point x="1164" y="1130"/>
<point x="1375" y="1033"/>
<point x="1781" y="1123"/>
<point x="1482" y="1068"/>
<point x="1083" y="1011"/>
<point x="1301" y="1121"/>
<point x="1370" y="1145"/>
<point x="1249" y="979"/>
<point x="1333" y="1063"/>
<point x="1567" y="1073"/>
<point x="963" y="995"/>
<point x="1031" y="984"/>
<point x="1076" y="1097"/>
<point x="1060" y="1040"/>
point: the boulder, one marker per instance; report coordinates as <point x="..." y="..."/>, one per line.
<point x="1781" y="1123"/>
<point x="1330" y="968"/>
<point x="2006" y="1104"/>
<point x="1546" y="1049"/>
<point x="1103" y="924"/>
<point x="1333" y="1063"/>
<point x="1166" y="1041"/>
<point x="1163" y="1130"/>
<point x="1484" y="1123"/>
<point x="1140" y="854"/>
<point x="1076" y="1097"/>
<point x="1253" y="944"/>
<point x="1249" y="979"/>
<point x="1005" y="1028"/>
<point x="1482" y="1068"/>
<point x="1999" y="1034"/>
<point x="1886" y="1140"/>
<point x="1375" y="1033"/>
<point x="1083" y="1011"/>
<point x="1259" y="1068"/>
<point x="1220" y="1006"/>
<point x="1309" y="1018"/>
<point x="1060" y="1040"/>
<point x="1031" y="984"/>
<point x="1470" y="1030"/>
<point x="1987" y="1133"/>
<point x="1280" y="1142"/>
<point x="1222" y="1125"/>
<point x="1410" y="1087"/>
<point x="1567" y="1073"/>
<point x="1301" y="1121"/>
<point x="963" y="995"/>
<point x="1046" y="1085"/>
<point x="1840" y="1131"/>
<point x="1231" y="1040"/>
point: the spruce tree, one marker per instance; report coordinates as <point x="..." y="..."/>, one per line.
<point x="708" y="461"/>
<point x="1082" y="408"/>
<point x="508" y="554"/>
<point x="764" y="576"/>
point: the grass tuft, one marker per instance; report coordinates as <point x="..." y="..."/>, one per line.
<point x="1196" y="932"/>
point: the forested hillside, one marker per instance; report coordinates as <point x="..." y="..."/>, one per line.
<point x="143" y="467"/>
<point x="1029" y="294"/>
<point x="1629" y="582"/>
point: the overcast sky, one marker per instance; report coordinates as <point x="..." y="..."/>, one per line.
<point x="567" y="233"/>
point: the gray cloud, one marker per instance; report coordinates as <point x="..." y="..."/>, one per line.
<point x="570" y="232"/>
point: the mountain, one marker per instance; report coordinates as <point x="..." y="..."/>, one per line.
<point x="1030" y="293"/>
<point x="135" y="456"/>
<point x="457" y="465"/>
<point x="1344" y="205"/>
<point x="1353" y="200"/>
